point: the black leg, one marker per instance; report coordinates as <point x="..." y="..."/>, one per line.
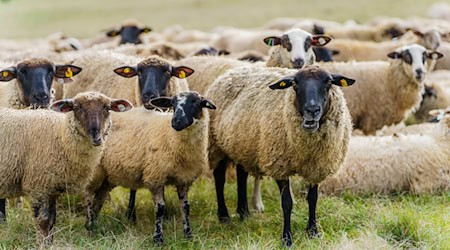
<point x="131" y="211"/>
<point x="219" y="179"/>
<point x="160" y="208"/>
<point x="312" y="202"/>
<point x="184" y="203"/>
<point x="242" y="207"/>
<point x="286" y="204"/>
<point x="45" y="216"/>
<point x="2" y="211"/>
<point x="94" y="203"/>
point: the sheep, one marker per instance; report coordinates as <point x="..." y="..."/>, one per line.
<point x="378" y="33"/>
<point x="156" y="77"/>
<point x="445" y="63"/>
<point x="399" y="163"/>
<point x="436" y="96"/>
<point x="29" y="83"/>
<point x="313" y="119"/>
<point x="163" y="49"/>
<point x="291" y="50"/>
<point x="175" y="156"/>
<point x="250" y="55"/>
<point x="129" y="32"/>
<point x="372" y="51"/>
<point x="177" y="34"/>
<point x="56" y="154"/>
<point x="389" y="91"/>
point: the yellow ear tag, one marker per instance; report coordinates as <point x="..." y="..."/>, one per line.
<point x="282" y="84"/>
<point x="126" y="70"/>
<point x="344" y="83"/>
<point x="5" y="74"/>
<point x="69" y="72"/>
<point x="182" y="74"/>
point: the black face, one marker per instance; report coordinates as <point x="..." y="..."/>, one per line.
<point x="36" y="83"/>
<point x="130" y="34"/>
<point x="207" y="51"/>
<point x="323" y="54"/>
<point x="311" y="97"/>
<point x="394" y="32"/>
<point x="153" y="82"/>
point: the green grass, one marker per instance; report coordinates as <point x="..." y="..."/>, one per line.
<point x="349" y="222"/>
<point x="84" y="18"/>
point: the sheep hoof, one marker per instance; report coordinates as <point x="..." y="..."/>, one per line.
<point x="224" y="219"/>
<point x="313" y="233"/>
<point x="131" y="216"/>
<point x="158" y="239"/>
<point x="286" y="240"/>
<point x="243" y="214"/>
<point x="188" y="233"/>
<point x="90" y="226"/>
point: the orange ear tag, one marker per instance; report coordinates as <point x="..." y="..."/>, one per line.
<point x="5" y="74"/>
<point x="126" y="70"/>
<point x="69" y="72"/>
<point x="182" y="74"/>
<point x="282" y="84"/>
<point x="343" y="83"/>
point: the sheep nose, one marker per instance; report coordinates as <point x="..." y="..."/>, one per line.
<point x="41" y="97"/>
<point x="148" y="96"/>
<point x="298" y="63"/>
<point x="419" y="74"/>
<point x="313" y="111"/>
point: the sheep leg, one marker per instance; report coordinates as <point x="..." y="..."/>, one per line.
<point x="286" y="204"/>
<point x="45" y="218"/>
<point x="242" y="207"/>
<point x="94" y="203"/>
<point x="184" y="203"/>
<point x="160" y="208"/>
<point x="312" y="202"/>
<point x="219" y="180"/>
<point x="257" y="203"/>
<point x="2" y="211"/>
<point x="131" y="210"/>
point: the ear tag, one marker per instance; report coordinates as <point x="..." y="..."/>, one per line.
<point x="343" y="83"/>
<point x="5" y="74"/>
<point x="322" y="41"/>
<point x="121" y="107"/>
<point x="282" y="84"/>
<point x="60" y="106"/>
<point x="182" y="74"/>
<point x="69" y="72"/>
<point x="126" y="70"/>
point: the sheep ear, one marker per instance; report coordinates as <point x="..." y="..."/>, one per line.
<point x="272" y="40"/>
<point x="146" y="30"/>
<point x="62" y="106"/>
<point x="223" y="52"/>
<point x="121" y="105"/>
<point x="126" y="71"/>
<point x="434" y="55"/>
<point x="8" y="74"/>
<point x="395" y="55"/>
<point x="318" y="30"/>
<point x="320" y="40"/>
<point x="113" y="33"/>
<point x="341" y="81"/>
<point x="162" y="102"/>
<point x="66" y="71"/>
<point x="283" y="83"/>
<point x="335" y="52"/>
<point x="182" y="72"/>
<point x="206" y="103"/>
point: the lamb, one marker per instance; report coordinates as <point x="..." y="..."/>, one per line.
<point x="400" y="163"/>
<point x="54" y="156"/>
<point x="312" y="119"/>
<point x="291" y="50"/>
<point x="157" y="77"/>
<point x="159" y="156"/>
<point x="29" y="83"/>
<point x="372" y="51"/>
<point x="389" y="91"/>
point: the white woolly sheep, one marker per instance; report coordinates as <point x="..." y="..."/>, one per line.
<point x="158" y="156"/>
<point x="378" y="33"/>
<point x="301" y="131"/>
<point x="30" y="82"/>
<point x="388" y="91"/>
<point x="56" y="154"/>
<point x="400" y="163"/>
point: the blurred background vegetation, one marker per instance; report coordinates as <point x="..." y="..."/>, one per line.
<point x="85" y="18"/>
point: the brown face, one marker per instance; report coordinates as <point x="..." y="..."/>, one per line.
<point x="91" y="110"/>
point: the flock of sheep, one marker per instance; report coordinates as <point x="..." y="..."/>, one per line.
<point x="319" y="99"/>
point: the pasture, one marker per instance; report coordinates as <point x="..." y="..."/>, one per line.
<point x="370" y="221"/>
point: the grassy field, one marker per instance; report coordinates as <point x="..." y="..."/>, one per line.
<point x="83" y="18"/>
<point x="399" y="221"/>
<point x="347" y="222"/>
